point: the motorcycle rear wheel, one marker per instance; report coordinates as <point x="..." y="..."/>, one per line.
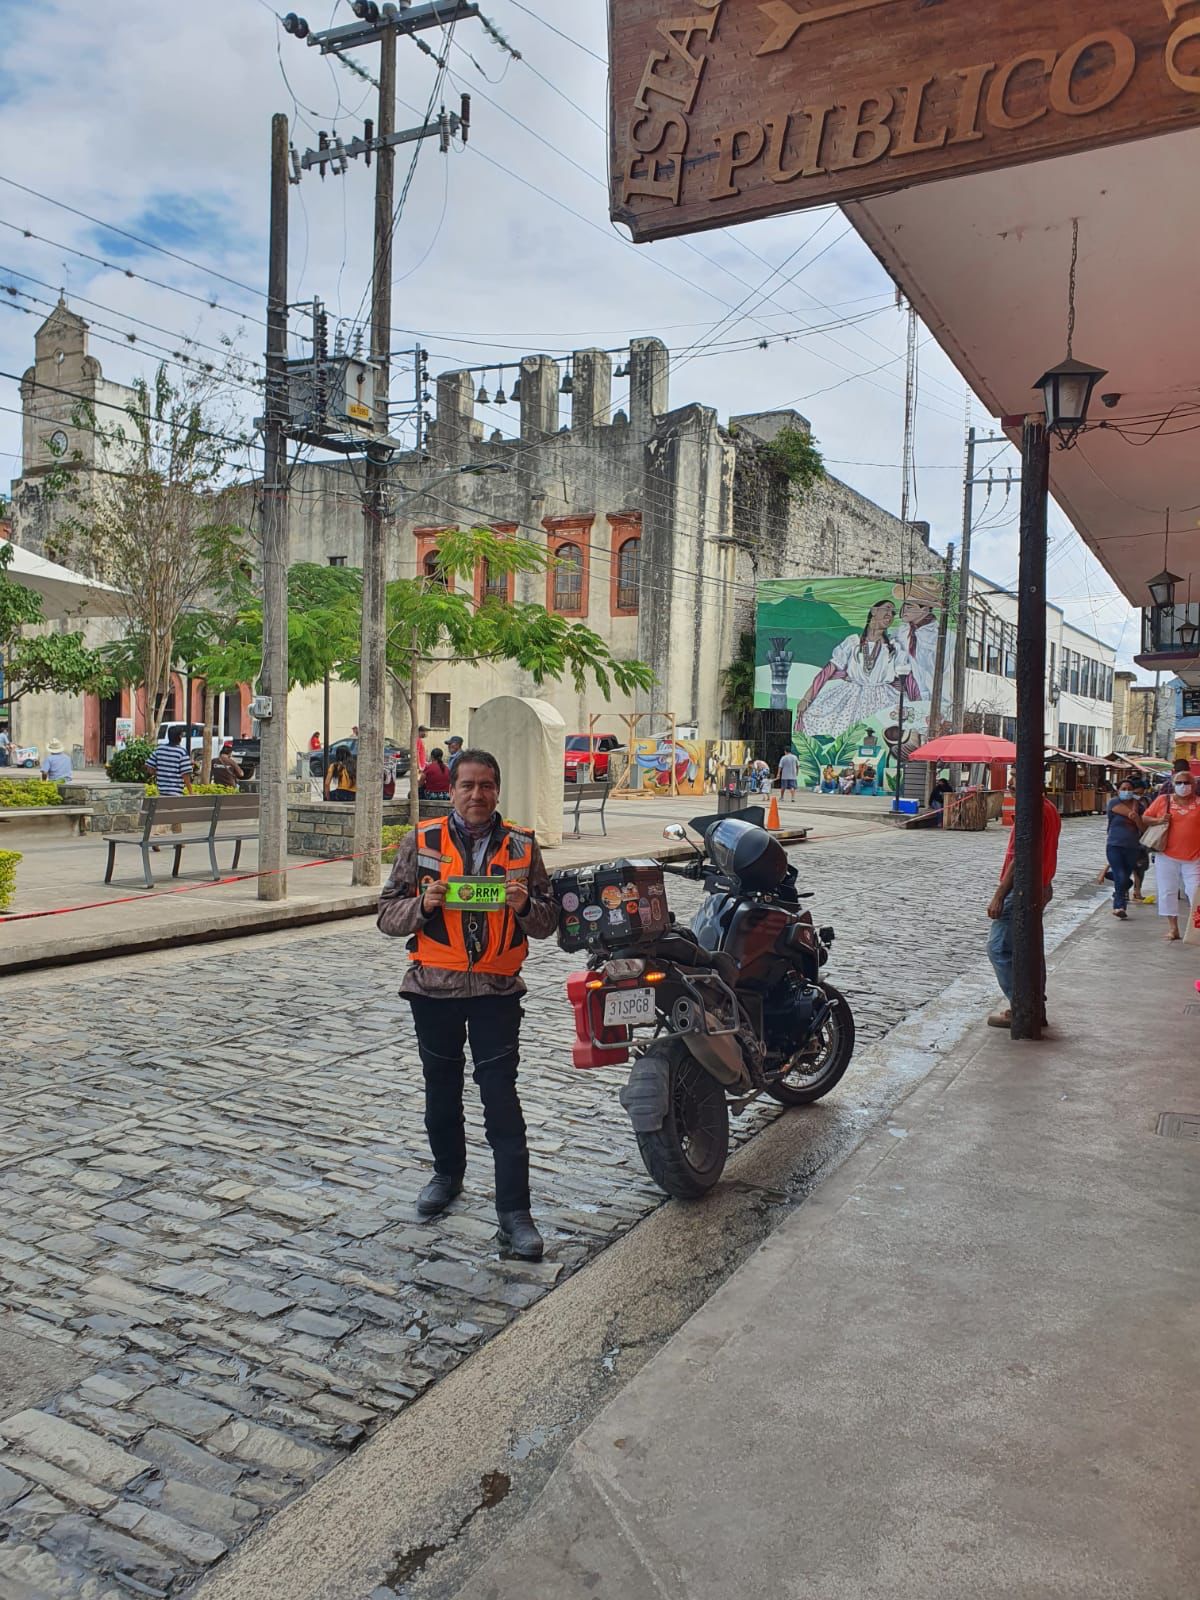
<point x="814" y="1075"/>
<point x="687" y="1155"/>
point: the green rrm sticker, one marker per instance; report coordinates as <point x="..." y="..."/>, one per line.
<point x="475" y="894"/>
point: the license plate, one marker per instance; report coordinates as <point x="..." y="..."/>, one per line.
<point x="628" y="1007"/>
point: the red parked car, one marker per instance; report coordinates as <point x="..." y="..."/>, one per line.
<point x="586" y="756"/>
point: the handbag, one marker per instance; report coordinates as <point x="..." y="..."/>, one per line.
<point x="1155" y="836"/>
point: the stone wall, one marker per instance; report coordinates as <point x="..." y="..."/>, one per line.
<point x="326" y="831"/>
<point x="116" y="807"/>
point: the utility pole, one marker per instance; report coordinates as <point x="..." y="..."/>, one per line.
<point x="372" y="682"/>
<point x="273" y="680"/>
<point x="939" y="660"/>
<point x="382" y="25"/>
<point x="1027" y="947"/>
<point x="964" y="590"/>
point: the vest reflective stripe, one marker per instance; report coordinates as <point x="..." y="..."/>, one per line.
<point x="443" y="941"/>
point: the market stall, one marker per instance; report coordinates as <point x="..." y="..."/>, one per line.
<point x="1076" y="784"/>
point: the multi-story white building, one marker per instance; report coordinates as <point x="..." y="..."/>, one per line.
<point x="1079" y="674"/>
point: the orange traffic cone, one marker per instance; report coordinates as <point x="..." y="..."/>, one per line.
<point x="773" y="815"/>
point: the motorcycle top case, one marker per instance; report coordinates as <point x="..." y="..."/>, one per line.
<point x="618" y="903"/>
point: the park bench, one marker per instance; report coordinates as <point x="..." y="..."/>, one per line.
<point x="581" y="797"/>
<point x="44" y="817"/>
<point x="213" y="818"/>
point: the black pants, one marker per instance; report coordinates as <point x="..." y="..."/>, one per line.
<point x="492" y="1023"/>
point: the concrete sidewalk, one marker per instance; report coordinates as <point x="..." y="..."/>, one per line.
<point x="967" y="1366"/>
<point x="92" y="919"/>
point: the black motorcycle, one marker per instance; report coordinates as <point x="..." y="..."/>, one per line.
<point x="736" y="1003"/>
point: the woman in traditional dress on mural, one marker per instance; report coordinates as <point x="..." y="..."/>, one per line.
<point x="861" y="680"/>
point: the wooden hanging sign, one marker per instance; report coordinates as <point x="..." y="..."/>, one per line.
<point x="724" y="110"/>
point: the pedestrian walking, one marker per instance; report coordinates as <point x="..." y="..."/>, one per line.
<point x="422" y="757"/>
<point x="1177" y="857"/>
<point x="1000" y="911"/>
<point x="1123" y="845"/>
<point x="5" y="744"/>
<point x="171" y="765"/>
<point x="453" y="750"/>
<point x="788" y="773"/>
<point x="57" y="766"/>
<point x="464" y="984"/>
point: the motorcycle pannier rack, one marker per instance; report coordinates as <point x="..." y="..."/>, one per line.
<point x="611" y="906"/>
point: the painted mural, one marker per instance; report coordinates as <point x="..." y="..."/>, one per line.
<point x="696" y="763"/>
<point x="853" y="660"/>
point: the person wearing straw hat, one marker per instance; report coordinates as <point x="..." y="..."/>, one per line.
<point x="917" y="630"/>
<point x="57" y="766"/>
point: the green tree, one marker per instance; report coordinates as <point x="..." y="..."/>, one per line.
<point x="430" y="624"/>
<point x="737" y="679"/>
<point x="159" y="522"/>
<point x="794" y="454"/>
<point x="33" y="663"/>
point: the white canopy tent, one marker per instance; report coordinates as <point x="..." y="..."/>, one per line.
<point x="64" y="593"/>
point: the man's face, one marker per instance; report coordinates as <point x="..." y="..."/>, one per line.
<point x="916" y="612"/>
<point x="474" y="791"/>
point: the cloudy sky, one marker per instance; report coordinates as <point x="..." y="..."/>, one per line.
<point x="154" y="119"/>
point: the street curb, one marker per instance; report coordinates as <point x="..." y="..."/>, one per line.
<point x="242" y="924"/>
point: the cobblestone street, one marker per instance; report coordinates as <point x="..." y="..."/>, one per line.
<point x="213" y="1281"/>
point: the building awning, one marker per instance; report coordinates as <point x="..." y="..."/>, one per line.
<point x="985" y="259"/>
<point x="64" y="593"/>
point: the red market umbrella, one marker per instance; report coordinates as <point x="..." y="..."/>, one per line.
<point x="965" y="747"/>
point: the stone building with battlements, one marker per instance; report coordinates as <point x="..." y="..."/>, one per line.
<point x="663" y="521"/>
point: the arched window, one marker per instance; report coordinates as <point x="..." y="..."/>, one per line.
<point x="628" y="579"/>
<point x="568" y="578"/>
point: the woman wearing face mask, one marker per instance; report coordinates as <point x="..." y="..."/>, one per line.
<point x="1177" y="863"/>
<point x="1123" y="845"/>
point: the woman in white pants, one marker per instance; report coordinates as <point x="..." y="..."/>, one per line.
<point x="1177" y="862"/>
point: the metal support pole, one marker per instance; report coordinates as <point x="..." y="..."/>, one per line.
<point x="937" y="689"/>
<point x="368" y="808"/>
<point x="1028" y="998"/>
<point x="958" y="702"/>
<point x="273" y="680"/>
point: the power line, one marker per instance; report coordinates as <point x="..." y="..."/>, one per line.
<point x="124" y="233"/>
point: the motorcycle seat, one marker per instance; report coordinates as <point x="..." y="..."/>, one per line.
<point x="686" y="951"/>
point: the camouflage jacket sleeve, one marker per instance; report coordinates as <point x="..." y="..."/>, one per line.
<point x="400" y="913"/>
<point x="541" y="915"/>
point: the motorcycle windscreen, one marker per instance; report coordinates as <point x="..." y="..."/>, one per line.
<point x="754" y="814"/>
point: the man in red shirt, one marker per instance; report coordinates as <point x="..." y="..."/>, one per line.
<point x="1000" y="910"/>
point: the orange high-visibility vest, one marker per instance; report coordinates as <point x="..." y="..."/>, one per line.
<point x="461" y="941"/>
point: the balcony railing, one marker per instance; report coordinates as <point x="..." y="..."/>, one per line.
<point x="1161" y="627"/>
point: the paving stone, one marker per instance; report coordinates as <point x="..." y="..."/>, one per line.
<point x="112" y="1388"/>
<point x="12" y="1486"/>
<point x="266" y="1447"/>
<point x="77" y="1491"/>
<point x="89" y="1540"/>
<point x="27" y="1573"/>
<point x="318" y="1325"/>
<point x="74" y="1449"/>
<point x="180" y="1205"/>
<point x="255" y="1302"/>
<point x="292" y="1203"/>
<point x="166" y="1532"/>
<point x="224" y="1515"/>
<point x="180" y="1458"/>
<point x="182" y="1411"/>
<point x="130" y="1166"/>
<point x="189" y="1280"/>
